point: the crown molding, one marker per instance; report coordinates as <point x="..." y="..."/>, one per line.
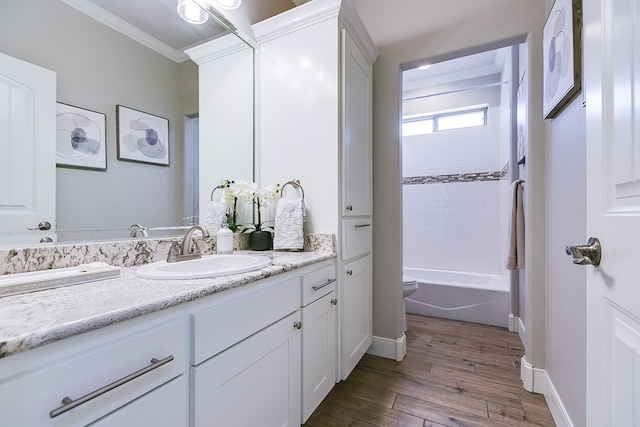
<point x="294" y="19"/>
<point x="217" y="48"/>
<point x="123" y="27"/>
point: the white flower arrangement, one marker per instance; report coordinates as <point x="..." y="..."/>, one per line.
<point x="249" y="191"/>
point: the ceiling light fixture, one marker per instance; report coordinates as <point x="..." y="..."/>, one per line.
<point x="228" y="4"/>
<point x="191" y="12"/>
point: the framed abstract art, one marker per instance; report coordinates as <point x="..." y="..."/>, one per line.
<point x="142" y="137"/>
<point x="80" y="138"/>
<point x="562" y="56"/>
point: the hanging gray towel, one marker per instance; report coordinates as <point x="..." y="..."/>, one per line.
<point x="515" y="254"/>
<point x="289" y="222"/>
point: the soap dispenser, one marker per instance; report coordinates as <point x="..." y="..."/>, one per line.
<point x="224" y="238"/>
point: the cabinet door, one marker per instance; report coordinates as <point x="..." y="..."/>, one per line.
<point x="27" y="150"/>
<point x="356" y="130"/>
<point x="318" y="352"/>
<point x="355" y="309"/>
<point x="163" y="407"/>
<point x="254" y="383"/>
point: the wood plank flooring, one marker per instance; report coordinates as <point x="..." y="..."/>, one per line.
<point x="455" y="374"/>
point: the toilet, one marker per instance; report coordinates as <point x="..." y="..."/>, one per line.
<point x="409" y="286"/>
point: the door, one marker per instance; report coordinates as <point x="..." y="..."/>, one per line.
<point x="612" y="90"/>
<point x="27" y="151"/>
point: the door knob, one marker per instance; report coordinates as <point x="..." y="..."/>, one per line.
<point x="589" y="254"/>
<point x="43" y="226"/>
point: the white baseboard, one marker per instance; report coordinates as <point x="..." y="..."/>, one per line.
<point x="513" y="323"/>
<point x="516" y="325"/>
<point x="537" y="381"/>
<point x="389" y="348"/>
<point x="521" y="330"/>
<point x="558" y="411"/>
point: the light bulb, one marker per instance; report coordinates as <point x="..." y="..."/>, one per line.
<point x="191" y="12"/>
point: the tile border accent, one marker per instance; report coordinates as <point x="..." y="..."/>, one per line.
<point x="459" y="177"/>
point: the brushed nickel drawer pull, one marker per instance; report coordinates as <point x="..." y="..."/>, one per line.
<point x="317" y="288"/>
<point x="69" y="404"/>
<point x="363" y="225"/>
<point x="334" y="301"/>
<point x="297" y="325"/>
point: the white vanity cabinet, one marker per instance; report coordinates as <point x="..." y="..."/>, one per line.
<point x="246" y="357"/>
<point x="315" y="106"/>
<point x="319" y="355"/>
<point x="254" y="354"/>
<point x="135" y="371"/>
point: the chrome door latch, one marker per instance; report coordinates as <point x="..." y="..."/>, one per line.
<point x="589" y="254"/>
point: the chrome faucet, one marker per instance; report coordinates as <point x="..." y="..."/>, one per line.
<point x="135" y="228"/>
<point x="185" y="252"/>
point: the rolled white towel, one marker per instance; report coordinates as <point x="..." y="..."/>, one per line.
<point x="289" y="223"/>
<point x="216" y="212"/>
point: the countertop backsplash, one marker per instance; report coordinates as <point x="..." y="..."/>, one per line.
<point x="124" y="253"/>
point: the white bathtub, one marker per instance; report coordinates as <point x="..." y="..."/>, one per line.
<point x="472" y="297"/>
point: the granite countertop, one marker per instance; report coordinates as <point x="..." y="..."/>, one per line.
<point x="34" y="319"/>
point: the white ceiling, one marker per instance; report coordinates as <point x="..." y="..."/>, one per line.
<point x="390" y="22"/>
<point x="463" y="68"/>
<point x="156" y="22"/>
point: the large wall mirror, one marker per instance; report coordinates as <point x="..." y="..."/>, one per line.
<point x="98" y="68"/>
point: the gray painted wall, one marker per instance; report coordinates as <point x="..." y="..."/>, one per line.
<point x="468" y="36"/>
<point x="566" y="283"/>
<point x="98" y="68"/>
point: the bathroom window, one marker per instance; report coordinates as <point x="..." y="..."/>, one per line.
<point x="420" y="125"/>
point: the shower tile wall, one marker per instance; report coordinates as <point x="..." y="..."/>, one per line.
<point x="454" y="225"/>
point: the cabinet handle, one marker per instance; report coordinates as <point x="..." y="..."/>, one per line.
<point x="334" y="301"/>
<point x="317" y="288"/>
<point x="297" y="325"/>
<point x="349" y="272"/>
<point x="349" y="207"/>
<point x="363" y="225"/>
<point x="69" y="404"/>
<point x="42" y="226"/>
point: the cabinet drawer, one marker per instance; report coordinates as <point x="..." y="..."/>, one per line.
<point x="356" y="237"/>
<point x="219" y="327"/>
<point x="33" y="397"/>
<point x="318" y="283"/>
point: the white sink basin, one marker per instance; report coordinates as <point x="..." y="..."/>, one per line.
<point x="207" y="266"/>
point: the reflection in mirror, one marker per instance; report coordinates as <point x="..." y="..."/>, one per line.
<point x="97" y="68"/>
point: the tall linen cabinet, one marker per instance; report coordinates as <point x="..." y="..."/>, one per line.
<point x="315" y="123"/>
